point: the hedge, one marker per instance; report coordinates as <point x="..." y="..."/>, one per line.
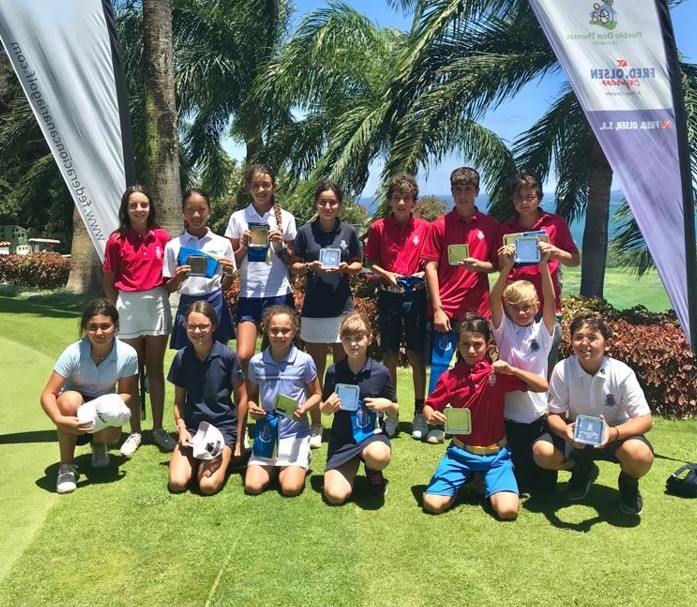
<point x="45" y="270"/>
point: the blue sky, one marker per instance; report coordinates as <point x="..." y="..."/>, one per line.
<point x="510" y="118"/>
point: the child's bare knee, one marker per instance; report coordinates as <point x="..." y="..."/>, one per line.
<point x="437" y="504"/>
<point x="336" y="496"/>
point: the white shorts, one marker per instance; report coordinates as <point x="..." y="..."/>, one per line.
<point x="144" y="313"/>
<point x="291" y="452"/>
<point x="320" y="330"/>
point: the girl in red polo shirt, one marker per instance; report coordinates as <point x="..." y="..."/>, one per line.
<point x="133" y="282"/>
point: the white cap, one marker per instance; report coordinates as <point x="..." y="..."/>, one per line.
<point x="208" y="442"/>
<point x="104" y="411"/>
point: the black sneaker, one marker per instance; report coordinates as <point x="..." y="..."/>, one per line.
<point x="630" y="498"/>
<point x="378" y="483"/>
<point x="582" y="477"/>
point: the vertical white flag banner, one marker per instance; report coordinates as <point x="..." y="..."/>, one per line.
<point x="66" y="57"/>
<point x="620" y="58"/>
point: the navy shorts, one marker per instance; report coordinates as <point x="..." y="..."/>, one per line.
<point x="607" y="453"/>
<point x="399" y="313"/>
<point x="251" y="309"/>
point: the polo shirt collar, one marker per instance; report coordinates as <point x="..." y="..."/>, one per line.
<point x="136" y="235"/>
<point x="368" y="366"/>
<point x="188" y="237"/>
<point x="390" y="219"/>
<point x="251" y="214"/>
<point x="334" y="230"/>
<point x="289" y="358"/>
<point x="602" y="373"/>
<point x="461" y="219"/>
<point x="86" y="349"/>
<point x="215" y="352"/>
<point x="515" y="222"/>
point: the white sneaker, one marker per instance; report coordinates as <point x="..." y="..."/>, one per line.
<point x="100" y="455"/>
<point x="131" y="444"/>
<point x="67" y="478"/>
<point x="435" y="436"/>
<point x="316" y="436"/>
<point x="419" y="427"/>
<point x="163" y="439"/>
<point x="245" y="442"/>
<point x="392" y="426"/>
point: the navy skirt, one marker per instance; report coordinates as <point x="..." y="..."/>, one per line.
<point x="225" y="331"/>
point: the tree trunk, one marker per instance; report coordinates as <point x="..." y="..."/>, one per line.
<point x="85" y="265"/>
<point x="162" y="142"/>
<point x="595" y="233"/>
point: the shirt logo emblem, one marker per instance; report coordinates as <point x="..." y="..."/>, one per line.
<point x="158" y="253"/>
<point x="534" y="346"/>
<point x="480" y="235"/>
<point x="610" y="400"/>
<point x="343" y="245"/>
<point x="492" y="379"/>
<point x="415" y="240"/>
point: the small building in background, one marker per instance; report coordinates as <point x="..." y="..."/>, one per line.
<point x="17" y="237"/>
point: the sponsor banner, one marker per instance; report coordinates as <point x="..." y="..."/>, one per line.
<point x="62" y="54"/>
<point x="615" y="57"/>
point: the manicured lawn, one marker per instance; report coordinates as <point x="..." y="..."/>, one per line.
<point x="122" y="539"/>
<point x="623" y="290"/>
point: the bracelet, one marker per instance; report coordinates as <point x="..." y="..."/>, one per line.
<point x="282" y="252"/>
<point x="307" y="268"/>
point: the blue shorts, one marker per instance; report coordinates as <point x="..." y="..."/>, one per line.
<point x="457" y="466"/>
<point x="251" y="309"/>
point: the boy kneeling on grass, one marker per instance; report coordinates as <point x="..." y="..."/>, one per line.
<point x="480" y="386"/>
<point x="591" y="383"/>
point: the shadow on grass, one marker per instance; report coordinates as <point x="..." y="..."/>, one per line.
<point x="88" y="474"/>
<point x="54" y="306"/>
<point x="605" y="501"/>
<point x="362" y="495"/>
<point x="35" y="436"/>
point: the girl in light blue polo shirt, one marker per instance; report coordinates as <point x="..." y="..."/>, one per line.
<point x="281" y="369"/>
<point x="84" y="371"/>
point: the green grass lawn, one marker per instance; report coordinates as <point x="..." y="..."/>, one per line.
<point x="122" y="539"/>
<point x="623" y="290"/>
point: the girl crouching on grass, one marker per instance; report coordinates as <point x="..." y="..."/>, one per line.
<point x="480" y="386"/>
<point x="84" y="371"/>
<point x="206" y="375"/>
<point x="282" y="377"/>
<point x="357" y="428"/>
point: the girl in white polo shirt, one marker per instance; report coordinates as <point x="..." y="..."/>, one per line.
<point x="263" y="265"/>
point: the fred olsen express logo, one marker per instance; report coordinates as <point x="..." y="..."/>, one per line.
<point x="623" y="75"/>
<point x="604" y="15"/>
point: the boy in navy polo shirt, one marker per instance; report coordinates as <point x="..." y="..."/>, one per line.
<point x="393" y="252"/>
<point x="455" y="287"/>
<point x="591" y="383"/>
<point x="477" y="385"/>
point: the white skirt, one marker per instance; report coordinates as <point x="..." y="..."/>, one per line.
<point x="144" y="313"/>
<point x="291" y="452"/>
<point x="320" y="330"/>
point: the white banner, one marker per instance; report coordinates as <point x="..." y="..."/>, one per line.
<point x="62" y="54"/>
<point x="620" y="59"/>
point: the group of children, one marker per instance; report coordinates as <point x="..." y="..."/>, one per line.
<point x="433" y="287"/>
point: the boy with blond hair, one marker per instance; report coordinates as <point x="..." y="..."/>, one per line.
<point x="524" y="339"/>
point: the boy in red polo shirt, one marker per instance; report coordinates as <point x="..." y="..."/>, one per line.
<point x="393" y="253"/>
<point x="477" y="385"/>
<point x="527" y="195"/>
<point x="456" y="287"/>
